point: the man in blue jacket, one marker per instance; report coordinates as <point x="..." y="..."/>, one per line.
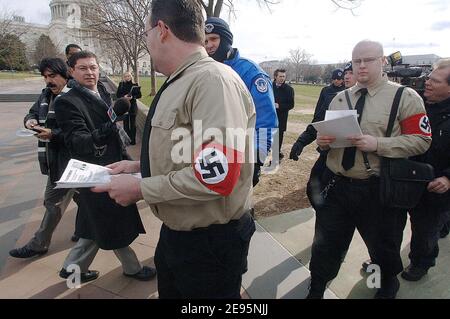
<point x="219" y="41"/>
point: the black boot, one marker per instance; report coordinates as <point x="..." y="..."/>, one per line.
<point x="414" y="273"/>
<point x="316" y="289"/>
<point x="389" y="288"/>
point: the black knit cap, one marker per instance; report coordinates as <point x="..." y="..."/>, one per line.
<point x="348" y="67"/>
<point x="220" y="27"/>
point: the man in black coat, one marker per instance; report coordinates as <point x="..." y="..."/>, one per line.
<point x="52" y="154"/>
<point x="92" y="136"/>
<point x="326" y="96"/>
<point x="284" y="102"/>
<point x="431" y="213"/>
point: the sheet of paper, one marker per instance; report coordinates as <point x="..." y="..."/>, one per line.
<point x="80" y="174"/>
<point x="341" y="128"/>
<point x="331" y="115"/>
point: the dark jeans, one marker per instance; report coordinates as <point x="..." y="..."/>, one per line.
<point x="203" y="263"/>
<point x="354" y="204"/>
<point x="427" y="220"/>
<point x="129" y="125"/>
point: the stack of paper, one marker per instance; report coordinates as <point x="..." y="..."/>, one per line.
<point x="340" y="124"/>
<point x="80" y="174"/>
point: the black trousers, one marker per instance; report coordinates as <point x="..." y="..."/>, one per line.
<point x="281" y="138"/>
<point x="129" y="126"/>
<point x="427" y="220"/>
<point x="205" y="263"/>
<point x="354" y="204"/>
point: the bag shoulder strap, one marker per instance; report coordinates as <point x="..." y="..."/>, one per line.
<point x="394" y="111"/>
<point x="349" y="103"/>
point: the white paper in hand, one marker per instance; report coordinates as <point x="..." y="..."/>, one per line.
<point x="331" y="115"/>
<point x="342" y="128"/>
<point x="80" y="174"/>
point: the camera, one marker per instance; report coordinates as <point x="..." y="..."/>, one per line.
<point x="413" y="76"/>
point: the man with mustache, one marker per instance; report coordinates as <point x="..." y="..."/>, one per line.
<point x="53" y="156"/>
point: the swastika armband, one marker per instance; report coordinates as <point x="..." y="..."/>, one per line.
<point x="417" y="124"/>
<point x="218" y="168"/>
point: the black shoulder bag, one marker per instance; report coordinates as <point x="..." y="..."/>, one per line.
<point x="402" y="181"/>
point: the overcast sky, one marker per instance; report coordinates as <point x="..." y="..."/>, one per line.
<point x="411" y="26"/>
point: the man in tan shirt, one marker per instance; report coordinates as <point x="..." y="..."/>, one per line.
<point x="196" y="179"/>
<point x="352" y="199"/>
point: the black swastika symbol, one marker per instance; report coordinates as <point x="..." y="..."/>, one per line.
<point x="208" y="164"/>
<point x="426" y="124"/>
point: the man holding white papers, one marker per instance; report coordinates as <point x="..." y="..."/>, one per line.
<point x="352" y="199"/>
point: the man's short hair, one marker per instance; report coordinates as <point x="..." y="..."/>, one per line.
<point x="443" y="64"/>
<point x="55" y="65"/>
<point x="275" y="74"/>
<point x="72" y="45"/>
<point x="81" y="55"/>
<point x="184" y="18"/>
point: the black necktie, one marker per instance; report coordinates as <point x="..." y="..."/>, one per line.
<point x="145" y="158"/>
<point x="348" y="160"/>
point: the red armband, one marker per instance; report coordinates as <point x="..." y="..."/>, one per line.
<point x="416" y="124"/>
<point x="218" y="168"/>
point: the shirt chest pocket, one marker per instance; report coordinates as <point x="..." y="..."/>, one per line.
<point x="165" y="120"/>
<point x="380" y="119"/>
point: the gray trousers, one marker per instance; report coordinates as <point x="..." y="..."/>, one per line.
<point x="55" y="203"/>
<point x="83" y="253"/>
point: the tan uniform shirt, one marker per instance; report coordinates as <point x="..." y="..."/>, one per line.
<point x="411" y="134"/>
<point x="207" y="99"/>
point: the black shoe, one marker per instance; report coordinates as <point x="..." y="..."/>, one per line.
<point x="281" y="156"/>
<point x="316" y="290"/>
<point x="413" y="273"/>
<point x="365" y="265"/>
<point x="74" y="238"/>
<point x="146" y="274"/>
<point x="25" y="252"/>
<point x="85" y="276"/>
<point x="389" y="288"/>
<point x="443" y="233"/>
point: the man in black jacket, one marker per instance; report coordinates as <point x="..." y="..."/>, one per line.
<point x="92" y="136"/>
<point x="284" y="102"/>
<point x="52" y="154"/>
<point x="427" y="217"/>
<point x="326" y="96"/>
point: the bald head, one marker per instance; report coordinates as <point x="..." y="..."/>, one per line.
<point x="368" y="61"/>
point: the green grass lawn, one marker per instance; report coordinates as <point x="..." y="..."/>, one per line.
<point x="17" y="75"/>
<point x="306" y="96"/>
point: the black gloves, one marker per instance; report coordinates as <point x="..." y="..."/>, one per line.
<point x="296" y="150"/>
<point x="102" y="134"/>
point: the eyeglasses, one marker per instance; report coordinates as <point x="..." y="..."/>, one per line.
<point x="365" y="60"/>
<point x="84" y="68"/>
<point x="146" y="32"/>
